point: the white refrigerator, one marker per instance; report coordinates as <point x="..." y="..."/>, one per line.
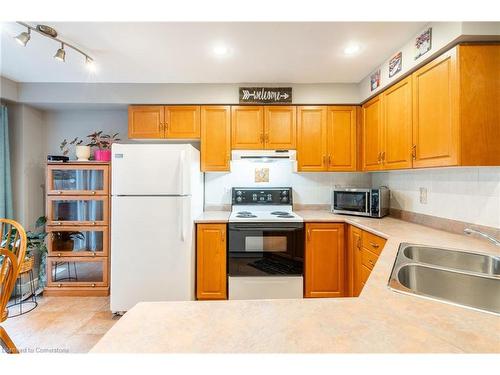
<point x="157" y="192"/>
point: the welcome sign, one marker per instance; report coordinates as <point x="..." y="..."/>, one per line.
<point x="265" y="95"/>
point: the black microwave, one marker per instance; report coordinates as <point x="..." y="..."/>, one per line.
<point x="361" y="202"/>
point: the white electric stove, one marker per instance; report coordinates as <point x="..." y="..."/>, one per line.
<point x="265" y="245"/>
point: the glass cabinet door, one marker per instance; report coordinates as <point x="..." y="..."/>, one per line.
<point x="77" y="241"/>
<point x="77" y="179"/>
<point x="71" y="271"/>
<point x="77" y="210"/>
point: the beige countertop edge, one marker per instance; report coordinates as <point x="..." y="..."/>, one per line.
<point x="380" y="320"/>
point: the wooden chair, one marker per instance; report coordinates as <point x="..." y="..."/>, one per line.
<point x="12" y="252"/>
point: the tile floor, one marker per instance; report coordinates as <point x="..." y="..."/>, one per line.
<point x="61" y="324"/>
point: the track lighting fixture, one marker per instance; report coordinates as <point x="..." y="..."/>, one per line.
<point x="24" y="37"/>
<point x="60" y="54"/>
<point x="51" y="33"/>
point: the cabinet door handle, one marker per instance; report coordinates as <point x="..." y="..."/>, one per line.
<point x="374" y="245"/>
<point x="309" y="234"/>
<point x="329" y="159"/>
<point x="414" y="152"/>
<point x="359" y="243"/>
<point x="383" y="156"/>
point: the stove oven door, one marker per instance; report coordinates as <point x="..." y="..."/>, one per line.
<point x="266" y="249"/>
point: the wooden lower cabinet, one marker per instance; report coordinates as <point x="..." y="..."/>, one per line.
<point x="363" y="250"/>
<point x="324" y="260"/>
<point x="211" y="264"/>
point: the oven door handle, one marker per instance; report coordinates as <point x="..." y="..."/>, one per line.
<point x="253" y="229"/>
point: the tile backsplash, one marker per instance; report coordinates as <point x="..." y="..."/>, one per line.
<point x="308" y="188"/>
<point x="466" y="194"/>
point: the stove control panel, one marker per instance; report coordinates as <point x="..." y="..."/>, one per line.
<point x="270" y="196"/>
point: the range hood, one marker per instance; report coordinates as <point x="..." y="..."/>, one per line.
<point x="264" y="155"/>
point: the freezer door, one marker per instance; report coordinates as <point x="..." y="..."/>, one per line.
<point x="152" y="250"/>
<point x="151" y="169"/>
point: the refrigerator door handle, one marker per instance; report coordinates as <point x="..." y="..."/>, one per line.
<point x="183" y="219"/>
<point x="182" y="165"/>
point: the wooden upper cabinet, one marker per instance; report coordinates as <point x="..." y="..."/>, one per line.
<point x="479" y="104"/>
<point x="211" y="271"/>
<point x="172" y="122"/>
<point x="435" y="112"/>
<point x="280" y="130"/>
<point x="312" y="145"/>
<point x="324" y="260"/>
<point x="341" y="131"/>
<point x="145" y="122"/>
<point x="247" y="127"/>
<point x="397" y="126"/>
<point x="372" y="134"/>
<point x="215" y="138"/>
<point x="182" y="122"/>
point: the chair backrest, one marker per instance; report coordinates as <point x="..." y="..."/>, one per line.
<point x="9" y="270"/>
<point x="13" y="244"/>
<point x="13" y="238"/>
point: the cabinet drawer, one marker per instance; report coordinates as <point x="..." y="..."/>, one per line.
<point x="372" y="242"/>
<point x="368" y="259"/>
<point x="77" y="179"/>
<point x="365" y="274"/>
<point x="77" y="210"/>
<point x="77" y="271"/>
<point x="77" y="241"/>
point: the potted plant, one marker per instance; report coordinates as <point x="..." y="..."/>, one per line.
<point x="103" y="143"/>
<point x="64" y="241"/>
<point x="35" y="243"/>
<point x="82" y="152"/>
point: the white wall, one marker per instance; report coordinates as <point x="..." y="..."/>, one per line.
<point x="80" y="123"/>
<point x="8" y="89"/>
<point x="174" y="93"/>
<point x="308" y="188"/>
<point x="444" y="34"/>
<point x="28" y="153"/>
<point x="465" y="194"/>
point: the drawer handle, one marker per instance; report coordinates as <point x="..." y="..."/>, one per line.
<point x="374" y="245"/>
<point x="93" y="285"/>
<point x="59" y="192"/>
<point x="93" y="192"/>
<point x="94" y="254"/>
<point x="93" y="223"/>
<point x="58" y="254"/>
<point x="58" y="223"/>
<point x="59" y="285"/>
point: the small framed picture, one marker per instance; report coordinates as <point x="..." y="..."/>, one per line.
<point x="375" y="80"/>
<point x="261" y="174"/>
<point x="395" y="64"/>
<point x="423" y="43"/>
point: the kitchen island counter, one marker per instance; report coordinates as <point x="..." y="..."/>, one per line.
<point x="380" y="320"/>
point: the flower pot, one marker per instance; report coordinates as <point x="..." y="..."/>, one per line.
<point x="102" y="155"/>
<point x="82" y="153"/>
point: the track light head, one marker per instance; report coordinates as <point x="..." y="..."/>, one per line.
<point x="90" y="64"/>
<point x="60" y="54"/>
<point x="23" y="38"/>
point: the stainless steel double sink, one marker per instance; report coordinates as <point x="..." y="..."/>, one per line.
<point x="458" y="277"/>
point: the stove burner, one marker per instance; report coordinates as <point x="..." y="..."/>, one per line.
<point x="245" y="216"/>
<point x="287" y="216"/>
<point x="243" y="213"/>
<point x="279" y="213"/>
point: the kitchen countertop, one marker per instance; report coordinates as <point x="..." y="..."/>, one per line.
<point x="213" y="217"/>
<point x="380" y="320"/>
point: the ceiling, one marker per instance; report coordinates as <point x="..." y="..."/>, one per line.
<point x="169" y="52"/>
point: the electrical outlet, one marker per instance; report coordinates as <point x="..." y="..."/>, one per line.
<point x="423" y="195"/>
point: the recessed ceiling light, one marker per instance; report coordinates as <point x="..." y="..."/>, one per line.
<point x="220" y="50"/>
<point x="352" y="49"/>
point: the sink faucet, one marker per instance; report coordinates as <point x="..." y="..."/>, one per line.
<point x="482" y="234"/>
